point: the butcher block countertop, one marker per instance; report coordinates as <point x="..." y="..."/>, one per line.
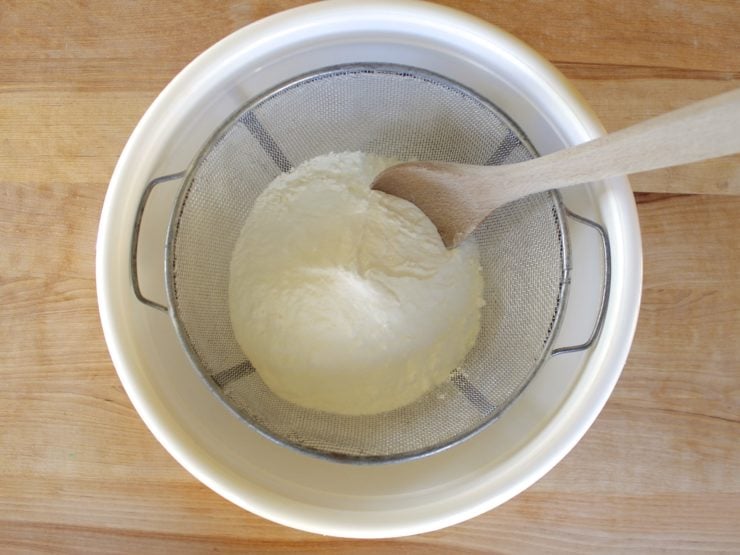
<point x="80" y="473"/>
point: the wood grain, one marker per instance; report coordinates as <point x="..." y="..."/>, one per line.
<point x="79" y="472"/>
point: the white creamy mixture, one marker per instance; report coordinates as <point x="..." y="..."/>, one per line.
<point x="345" y="299"/>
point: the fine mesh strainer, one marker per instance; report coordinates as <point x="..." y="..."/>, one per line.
<point x="394" y="111"/>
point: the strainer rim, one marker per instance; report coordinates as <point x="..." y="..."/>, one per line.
<point x="170" y="267"/>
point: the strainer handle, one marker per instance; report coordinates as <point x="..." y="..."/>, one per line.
<point x="605" y="286"/>
<point x="135" y="238"/>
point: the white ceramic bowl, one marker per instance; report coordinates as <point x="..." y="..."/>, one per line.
<point x="278" y="483"/>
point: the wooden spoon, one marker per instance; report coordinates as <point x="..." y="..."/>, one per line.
<point x="458" y="197"/>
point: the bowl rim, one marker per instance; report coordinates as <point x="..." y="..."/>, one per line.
<point x="132" y="372"/>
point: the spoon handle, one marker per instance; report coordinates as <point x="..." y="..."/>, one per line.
<point x="706" y="129"/>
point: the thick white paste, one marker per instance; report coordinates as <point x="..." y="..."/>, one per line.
<point x="345" y="299"/>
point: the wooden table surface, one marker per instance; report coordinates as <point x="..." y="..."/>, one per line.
<point x="79" y="472"/>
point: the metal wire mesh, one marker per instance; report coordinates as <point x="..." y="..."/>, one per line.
<point x="393" y="111"/>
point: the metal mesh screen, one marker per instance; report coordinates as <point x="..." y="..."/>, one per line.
<point x="390" y="111"/>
